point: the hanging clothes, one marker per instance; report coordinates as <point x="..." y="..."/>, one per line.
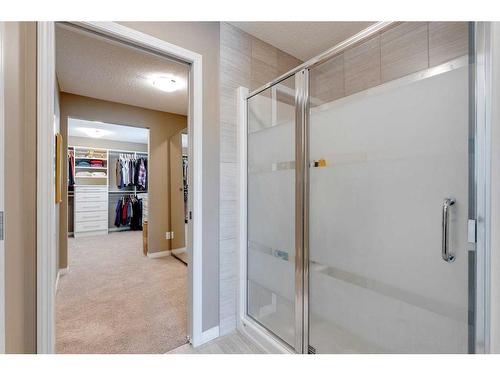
<point x="141" y="174"/>
<point x="118" y="210"/>
<point x="131" y="171"/>
<point x="136" y="221"/>
<point x="71" y="166"/>
<point x="128" y="212"/>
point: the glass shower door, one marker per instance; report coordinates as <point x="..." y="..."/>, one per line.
<point x="388" y="196"/>
<point x="271" y="210"/>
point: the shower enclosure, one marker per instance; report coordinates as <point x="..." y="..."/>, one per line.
<point x="361" y="196"/>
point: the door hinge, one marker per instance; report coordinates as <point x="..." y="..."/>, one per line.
<point x="1" y="226"/>
<point x="471" y="231"/>
<point x="190" y="215"/>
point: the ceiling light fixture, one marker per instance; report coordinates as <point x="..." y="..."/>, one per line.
<point x="166" y="83"/>
<point x="95" y="133"/>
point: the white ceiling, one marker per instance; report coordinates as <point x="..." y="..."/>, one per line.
<point x="91" y="66"/>
<point x="303" y="40"/>
<point x="76" y="128"/>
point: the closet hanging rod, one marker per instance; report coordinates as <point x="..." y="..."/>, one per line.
<point x="115" y="151"/>
<point x="128" y="192"/>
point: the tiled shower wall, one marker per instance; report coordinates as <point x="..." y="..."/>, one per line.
<point x="249" y="62"/>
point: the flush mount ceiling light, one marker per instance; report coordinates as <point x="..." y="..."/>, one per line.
<point x="167" y="83"/>
<point x="94" y="133"/>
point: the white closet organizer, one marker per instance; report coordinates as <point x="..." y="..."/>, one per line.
<point x="90" y="192"/>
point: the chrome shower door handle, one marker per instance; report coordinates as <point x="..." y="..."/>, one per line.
<point x="445" y="246"/>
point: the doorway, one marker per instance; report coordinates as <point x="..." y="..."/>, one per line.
<point x="119" y="35"/>
<point x="120" y="223"/>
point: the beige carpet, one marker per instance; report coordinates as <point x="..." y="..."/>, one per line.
<point x="115" y="300"/>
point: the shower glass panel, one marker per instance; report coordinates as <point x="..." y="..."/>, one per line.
<point x="388" y="145"/>
<point x="271" y="210"/>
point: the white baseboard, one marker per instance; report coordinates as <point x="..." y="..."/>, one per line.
<point x="57" y="280"/>
<point x="90" y="233"/>
<point x="60" y="272"/>
<point x="179" y="250"/>
<point x="63" y="271"/>
<point x="261" y="338"/>
<point x="159" y="254"/>
<point x="208" y="335"/>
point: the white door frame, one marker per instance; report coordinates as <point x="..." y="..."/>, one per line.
<point x="46" y="267"/>
<point x="2" y="209"/>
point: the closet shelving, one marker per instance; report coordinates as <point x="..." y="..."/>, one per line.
<point x="103" y="186"/>
<point x="90" y="198"/>
<point x="86" y="154"/>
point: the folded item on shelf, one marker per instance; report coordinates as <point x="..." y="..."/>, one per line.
<point x="99" y="174"/>
<point x="96" y="163"/>
<point x="82" y="163"/>
<point x="83" y="174"/>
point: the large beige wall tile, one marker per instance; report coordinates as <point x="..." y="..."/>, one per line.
<point x="261" y="73"/>
<point x="286" y="62"/>
<point x="362" y="66"/>
<point x="327" y="81"/>
<point x="233" y="37"/>
<point x="404" y="50"/>
<point x="264" y="52"/>
<point x="248" y="62"/>
<point x="235" y="67"/>
<point x="447" y="41"/>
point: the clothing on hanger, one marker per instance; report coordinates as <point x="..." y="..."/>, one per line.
<point x="131" y="171"/>
<point x="71" y="166"/>
<point x="128" y="211"/>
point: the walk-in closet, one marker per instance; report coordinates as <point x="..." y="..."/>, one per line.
<point x="107" y="185"/>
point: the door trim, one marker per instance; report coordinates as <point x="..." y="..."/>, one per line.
<point x="301" y="211"/>
<point x="46" y="268"/>
<point x="480" y="39"/>
<point x="2" y="187"/>
<point x="246" y="324"/>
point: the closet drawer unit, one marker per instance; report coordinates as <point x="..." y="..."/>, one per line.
<point x="89" y="226"/>
<point x="86" y="216"/>
<point x="84" y="206"/>
<point x="91" y="189"/>
<point x="91" y="197"/>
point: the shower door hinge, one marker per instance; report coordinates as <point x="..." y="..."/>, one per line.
<point x="311" y="349"/>
<point x="1" y="226"/>
<point x="471" y="231"/>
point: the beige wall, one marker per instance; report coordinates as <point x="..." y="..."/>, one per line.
<point x="203" y="38"/>
<point x="177" y="192"/>
<point x="20" y="187"/>
<point x="162" y="126"/>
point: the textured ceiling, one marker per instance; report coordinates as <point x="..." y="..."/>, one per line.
<point x="98" y="68"/>
<point x="303" y="40"/>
